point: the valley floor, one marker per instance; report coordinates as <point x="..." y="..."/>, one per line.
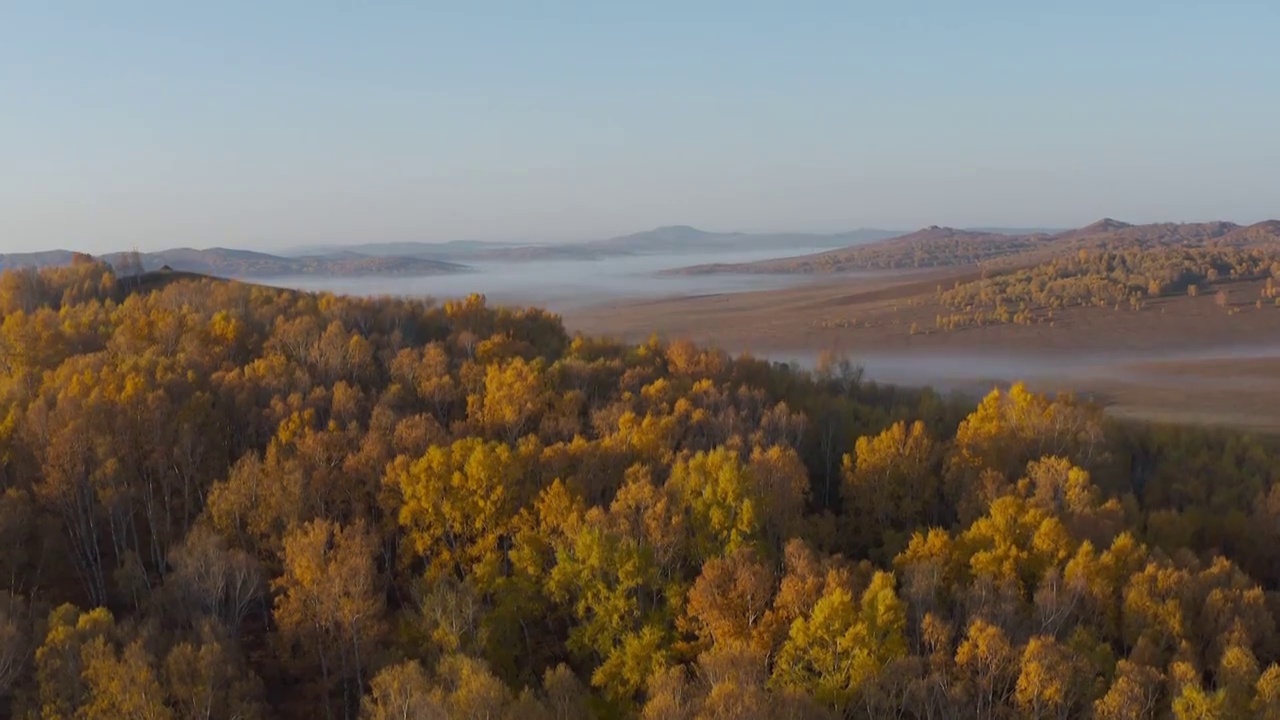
<point x="1178" y="359"/>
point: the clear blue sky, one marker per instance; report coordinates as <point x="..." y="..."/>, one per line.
<point x="280" y="122"/>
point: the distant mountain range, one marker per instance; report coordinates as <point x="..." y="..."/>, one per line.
<point x="412" y="258"/>
<point x="682" y="238"/>
<point x="862" y="249"/>
<point x="453" y="248"/>
<point x="223" y="262"/>
<point x="941" y="246"/>
<point x="671" y="239"/>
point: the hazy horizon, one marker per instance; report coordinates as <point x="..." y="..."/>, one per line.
<point x="274" y="126"/>
<point x="298" y="249"/>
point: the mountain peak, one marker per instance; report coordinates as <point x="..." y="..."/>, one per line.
<point x="675" y="232"/>
<point x="940" y="232"/>
<point x="664" y="234"/>
<point x="1107" y="224"/>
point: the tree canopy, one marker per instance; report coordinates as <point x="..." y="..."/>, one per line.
<point x="220" y="500"/>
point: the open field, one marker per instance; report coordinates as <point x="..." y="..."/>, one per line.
<point x="1178" y="358"/>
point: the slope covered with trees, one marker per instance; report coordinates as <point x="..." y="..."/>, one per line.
<point x="942" y="247"/>
<point x="229" y="501"/>
<point x="927" y="248"/>
<point x="1125" y="269"/>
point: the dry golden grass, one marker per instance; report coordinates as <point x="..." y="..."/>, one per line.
<point x="1163" y="368"/>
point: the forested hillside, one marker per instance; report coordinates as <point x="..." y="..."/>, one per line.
<point x="1126" y="278"/>
<point x="940" y="247"/>
<point x="230" y="501"/>
<point x="930" y="247"/>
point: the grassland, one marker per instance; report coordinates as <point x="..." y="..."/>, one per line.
<point x="1177" y="357"/>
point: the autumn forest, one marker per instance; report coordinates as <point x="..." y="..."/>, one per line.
<point x="221" y="500"/>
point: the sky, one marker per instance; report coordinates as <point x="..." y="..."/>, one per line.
<point x="283" y="123"/>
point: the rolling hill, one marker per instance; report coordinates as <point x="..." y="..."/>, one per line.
<point x="854" y="250"/>
<point x="950" y="247"/>
<point x="930" y="247"/>
<point x="44" y="258"/>
<point x="224" y="262"/>
<point x="413" y="258"/>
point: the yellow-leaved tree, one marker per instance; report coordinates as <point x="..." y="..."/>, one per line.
<point x="890" y="487"/>
<point x="329" y="612"/>
<point x="456" y="502"/>
<point x="1054" y="681"/>
<point x="842" y="644"/>
<point x="1010" y="429"/>
<point x="735" y="503"/>
<point x="515" y="396"/>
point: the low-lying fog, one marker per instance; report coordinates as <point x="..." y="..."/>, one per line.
<point x="564" y="285"/>
<point x="561" y="285"/>
<point x="977" y="372"/>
